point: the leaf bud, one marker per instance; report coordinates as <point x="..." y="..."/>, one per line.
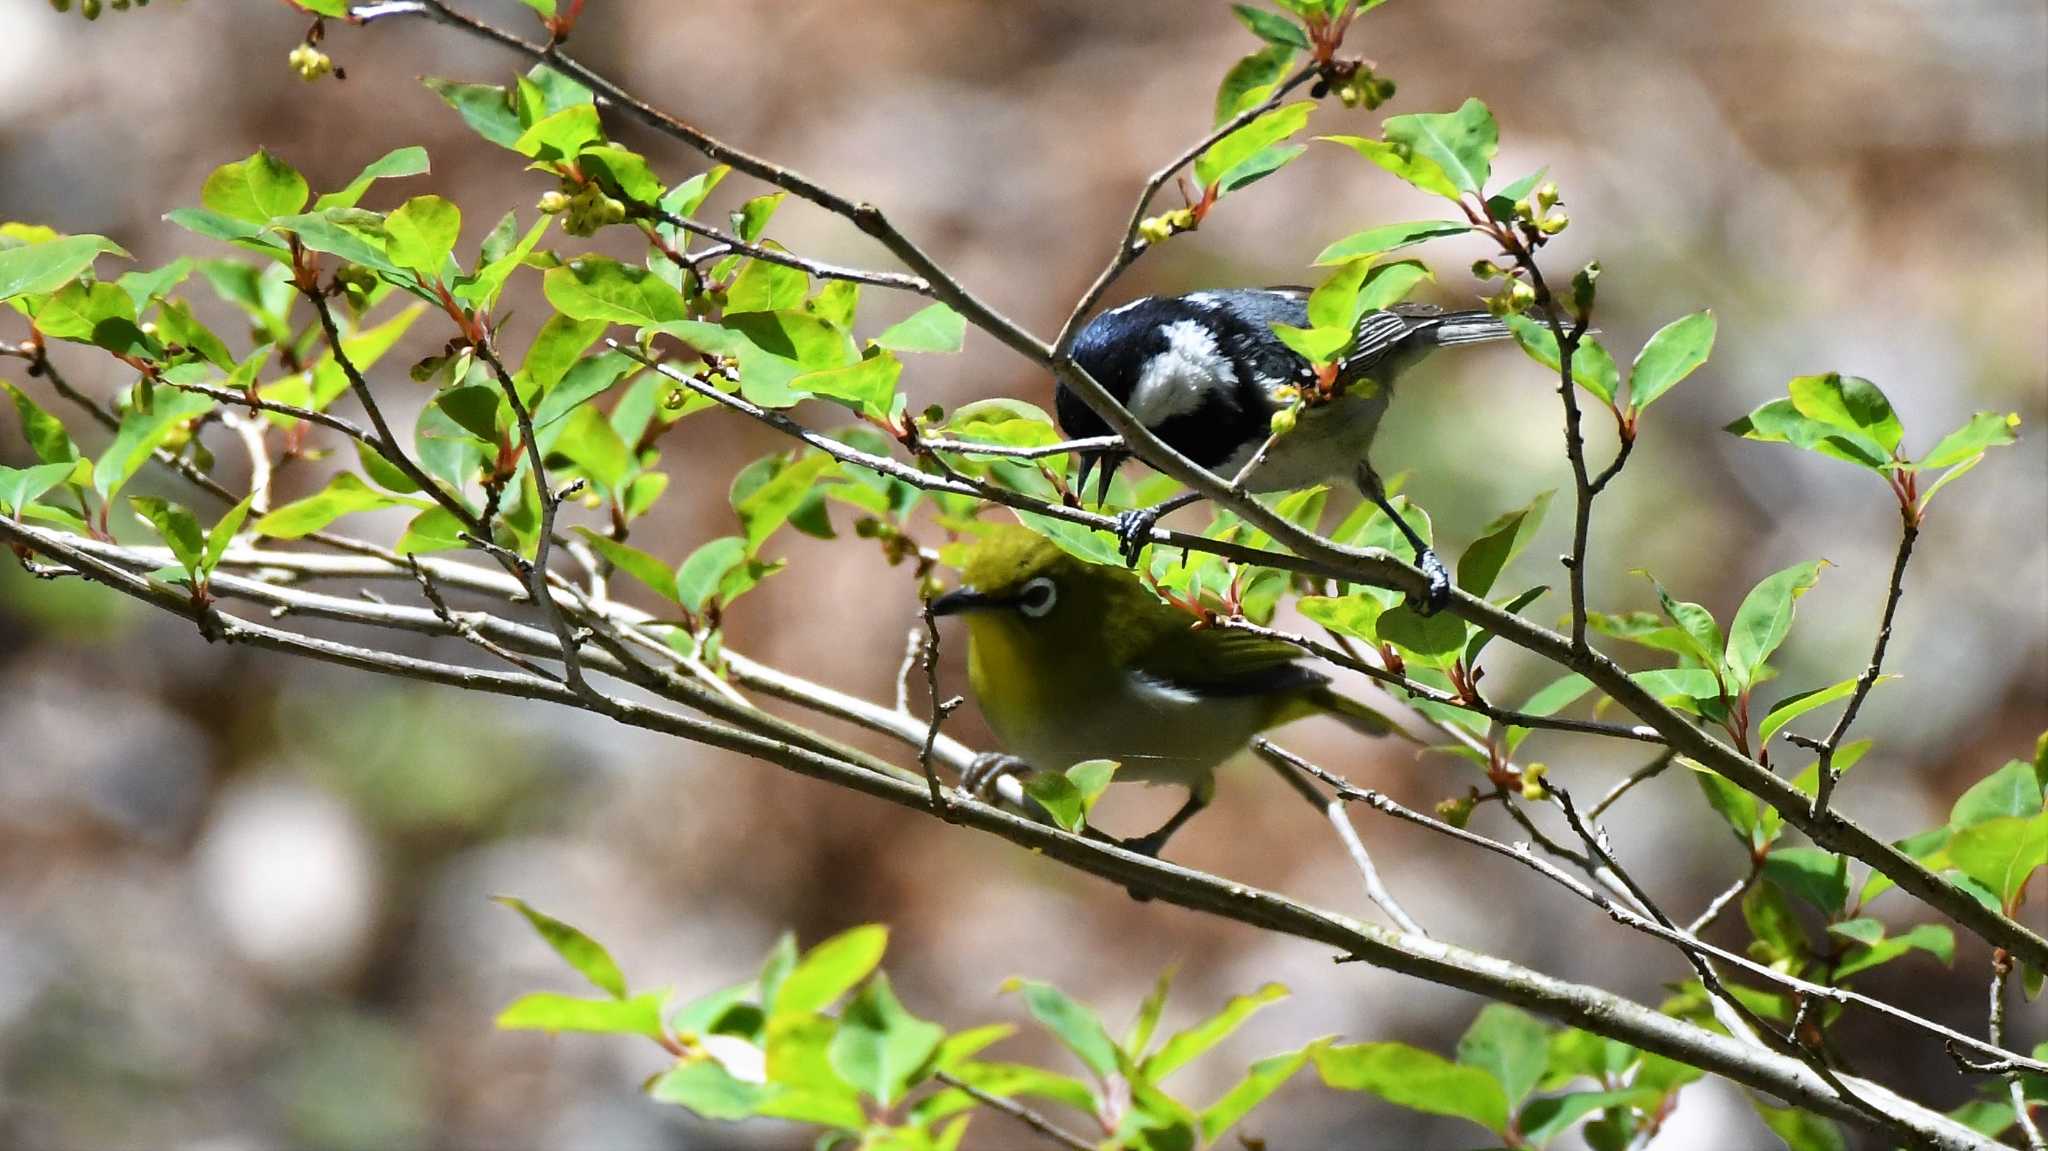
<point x="90" y="9"/>
<point x="1533" y="788"/>
<point x="1154" y="229"/>
<point x="1524" y="210"/>
<point x="61" y="5"/>
<point x="552" y="202"/>
<point x="1456" y="812"/>
<point x="1546" y="196"/>
<point x="1487" y="270"/>
<point x="1285" y="419"/>
<point x="1552" y="225"/>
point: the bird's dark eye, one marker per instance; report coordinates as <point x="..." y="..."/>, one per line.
<point x="1037" y="597"/>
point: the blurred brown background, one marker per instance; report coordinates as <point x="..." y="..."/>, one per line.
<point x="242" y="899"/>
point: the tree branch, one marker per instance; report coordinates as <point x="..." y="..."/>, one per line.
<point x="1829" y="777"/>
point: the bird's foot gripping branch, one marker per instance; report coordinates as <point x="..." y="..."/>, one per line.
<point x="547" y="438"/>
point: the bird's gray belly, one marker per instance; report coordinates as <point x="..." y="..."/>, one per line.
<point x="1325" y="446"/>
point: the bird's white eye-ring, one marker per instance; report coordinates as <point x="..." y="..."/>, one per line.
<point x="1037" y="597"/>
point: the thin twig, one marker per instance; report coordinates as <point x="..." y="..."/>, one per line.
<point x="1004" y="451"/>
<point x="1130" y="246"/>
<point x="1726" y="899"/>
<point x="940" y="708"/>
<point x="1829" y="777"/>
<point x="1421" y="690"/>
<point x="917" y="285"/>
<point x="1017" y="1111"/>
<point x="1290" y="768"/>
<point x="1648" y="771"/>
<point x="467" y="627"/>
<point x="2001" y="973"/>
<point x="1522" y="853"/>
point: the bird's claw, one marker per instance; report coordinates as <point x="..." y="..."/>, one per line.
<point x="1436" y="594"/>
<point x="988" y="768"/>
<point x="1133" y="532"/>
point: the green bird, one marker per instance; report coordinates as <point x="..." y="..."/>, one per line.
<point x="1073" y="661"/>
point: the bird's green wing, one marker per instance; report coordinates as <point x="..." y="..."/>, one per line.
<point x="1216" y="662"/>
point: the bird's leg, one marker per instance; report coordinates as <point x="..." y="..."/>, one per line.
<point x="981" y="776"/>
<point x="1198" y="798"/>
<point x="1438" y="593"/>
<point x="1134" y="527"/>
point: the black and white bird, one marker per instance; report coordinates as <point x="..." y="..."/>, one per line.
<point x="1206" y="373"/>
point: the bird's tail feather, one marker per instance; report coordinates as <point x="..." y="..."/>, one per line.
<point x="1351" y="713"/>
<point x="1470" y="328"/>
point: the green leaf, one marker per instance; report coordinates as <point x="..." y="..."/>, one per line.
<point x="868" y="386"/>
<point x="1703" y="640"/>
<point x="1268" y="129"/>
<point x="554" y="353"/>
<point x="223" y="534"/>
<point x="1594" y="372"/>
<point x="1545" y="1119"/>
<point x="1272" y="28"/>
<point x="34" y="269"/>
<point x="1985" y="430"/>
<point x="486" y="108"/>
<point x="699" y="576"/>
<point x="1461" y="144"/>
<point x="1499" y="544"/>
<point x="1673" y="353"/>
<point x="423" y="232"/>
<point x="1187" y="1045"/>
<point x="1793" y="706"/>
<point x="44" y="432"/>
<point x="1774" y="925"/>
<point x="830" y="970"/>
<point x="1320" y="345"/>
<point x="707" y="1089"/>
<point x="1388" y="238"/>
<point x="937" y="328"/>
<point x="1072" y="1024"/>
<point x="344" y="494"/>
<point x="640" y="1015"/>
<point x="1059" y="797"/>
<point x="1429" y="637"/>
<point x="590" y="442"/>
<point x="1139" y="1036"/>
<point x="600" y="288"/>
<point x="397" y="162"/>
<point x="1821" y="878"/>
<point x="1090" y="544"/>
<point x="2013" y="789"/>
<point x="1781" y="422"/>
<point x="880" y="1047"/>
<point x="1389" y="284"/>
<point x="433" y="530"/>
<point x="1416" y="1079"/>
<point x="577" y="949"/>
<point x="624" y="170"/>
<point x="1251" y="79"/>
<point x="1800" y="1130"/>
<point x="1258" y="166"/>
<point x="1851" y="404"/>
<point x="474" y="408"/>
<point x="1259" y="1082"/>
<point x="765" y="286"/>
<point x="256" y="190"/>
<point x="143" y="430"/>
<point x="561" y="135"/>
<point x="769" y="506"/>
<point x="634" y="562"/>
<point x="1736" y="806"/>
<point x="20" y="487"/>
<point x="1764" y="619"/>
<point x="1334" y="303"/>
<point x="2002" y="854"/>
<point x="177" y="527"/>
<point x="1509" y="1044"/>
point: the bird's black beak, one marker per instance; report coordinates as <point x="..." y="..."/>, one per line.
<point x="1108" y="461"/>
<point x="963" y="599"/>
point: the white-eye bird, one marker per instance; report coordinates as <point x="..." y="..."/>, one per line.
<point x="1205" y="373"/>
<point x="1073" y="661"/>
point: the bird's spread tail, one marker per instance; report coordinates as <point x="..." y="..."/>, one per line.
<point x="1470" y="328"/>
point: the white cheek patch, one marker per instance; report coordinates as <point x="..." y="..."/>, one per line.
<point x="1177" y="380"/>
